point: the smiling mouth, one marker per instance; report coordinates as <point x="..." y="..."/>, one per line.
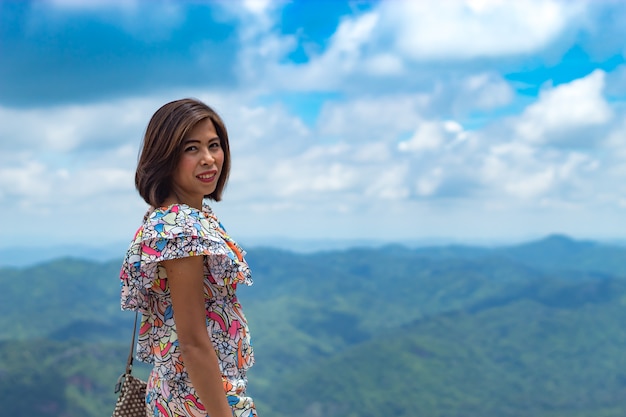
<point x="207" y="177"/>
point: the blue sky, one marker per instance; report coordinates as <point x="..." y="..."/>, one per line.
<point x="465" y="121"/>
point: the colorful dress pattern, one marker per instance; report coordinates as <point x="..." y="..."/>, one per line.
<point x="174" y="232"/>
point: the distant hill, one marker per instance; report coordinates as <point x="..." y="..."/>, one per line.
<point x="562" y="253"/>
<point x="21" y="257"/>
<point x="524" y="330"/>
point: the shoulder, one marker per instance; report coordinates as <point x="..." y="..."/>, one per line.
<point x="173" y="213"/>
<point x="176" y="220"/>
<point x="175" y="231"/>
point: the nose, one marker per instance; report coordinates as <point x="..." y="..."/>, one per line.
<point x="207" y="157"/>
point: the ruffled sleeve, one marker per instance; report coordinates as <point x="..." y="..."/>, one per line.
<point x="174" y="232"/>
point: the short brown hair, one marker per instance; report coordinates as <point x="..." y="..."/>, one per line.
<point x="162" y="148"/>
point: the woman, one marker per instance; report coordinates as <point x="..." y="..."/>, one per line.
<point x="182" y="269"/>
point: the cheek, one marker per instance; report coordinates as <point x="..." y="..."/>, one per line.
<point x="186" y="163"/>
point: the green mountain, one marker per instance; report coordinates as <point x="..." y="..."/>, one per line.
<point x="551" y="352"/>
<point x="527" y="330"/>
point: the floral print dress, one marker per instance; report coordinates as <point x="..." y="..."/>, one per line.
<point x="173" y="232"/>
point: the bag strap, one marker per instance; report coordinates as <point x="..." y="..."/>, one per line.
<point x="129" y="361"/>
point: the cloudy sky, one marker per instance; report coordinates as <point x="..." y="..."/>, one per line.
<point x="465" y="121"/>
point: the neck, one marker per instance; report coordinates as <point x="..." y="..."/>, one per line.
<point x="175" y="198"/>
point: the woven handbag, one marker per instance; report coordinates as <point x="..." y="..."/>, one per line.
<point x="131" y="401"/>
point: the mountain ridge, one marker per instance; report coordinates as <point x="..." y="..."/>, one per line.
<point x="441" y="332"/>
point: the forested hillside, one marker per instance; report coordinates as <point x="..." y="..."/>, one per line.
<point x="531" y="330"/>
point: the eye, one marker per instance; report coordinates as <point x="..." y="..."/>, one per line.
<point x="191" y="148"/>
<point x="214" y="145"/>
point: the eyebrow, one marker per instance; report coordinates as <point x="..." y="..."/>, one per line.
<point x="194" y="140"/>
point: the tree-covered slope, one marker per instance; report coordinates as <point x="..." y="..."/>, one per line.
<point x="44" y="298"/>
<point x="454" y="331"/>
<point x="534" y="356"/>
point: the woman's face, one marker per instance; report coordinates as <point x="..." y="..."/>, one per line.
<point x="200" y="165"/>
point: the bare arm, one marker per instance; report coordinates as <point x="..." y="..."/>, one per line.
<point x="185" y="277"/>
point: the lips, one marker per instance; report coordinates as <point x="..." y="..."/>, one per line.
<point x="207" y="176"/>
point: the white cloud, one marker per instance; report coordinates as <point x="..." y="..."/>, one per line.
<point x="352" y="157"/>
<point x="397" y="141"/>
<point x="457" y="29"/>
<point x="30" y="181"/>
<point x="528" y="172"/>
<point x="616" y="80"/>
<point x="372" y="153"/>
<point x="262" y="57"/>
<point x="257" y="6"/>
<point x="430" y="182"/>
<point x="429" y="136"/>
<point x="566" y="108"/>
<point x="484" y="91"/>
<point x="387" y="181"/>
<point x="343" y="57"/>
<point x="432" y="136"/>
<point x="378" y="43"/>
<point x="261" y="45"/>
<point x="367" y="53"/>
<point x="612" y="185"/>
<point x="261" y="128"/>
<point x="531" y="185"/>
<point x="615" y="142"/>
<point x="67" y="201"/>
<point x="312" y="174"/>
<point x="39" y="182"/>
<point x="65" y="128"/>
<point x="149" y="21"/>
<point x="384" y="64"/>
<point x="372" y="118"/>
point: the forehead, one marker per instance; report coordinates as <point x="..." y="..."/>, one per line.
<point x="204" y="129"/>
